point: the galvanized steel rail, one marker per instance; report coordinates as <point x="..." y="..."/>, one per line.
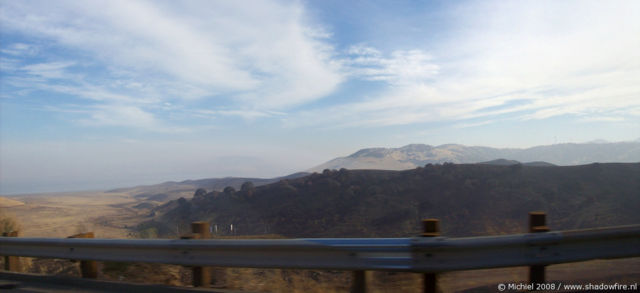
<point x="433" y="254"/>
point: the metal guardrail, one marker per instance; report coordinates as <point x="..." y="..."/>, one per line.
<point x="425" y="254"/>
<point x="527" y="249"/>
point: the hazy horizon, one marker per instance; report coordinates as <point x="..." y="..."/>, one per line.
<point x="106" y="94"/>
<point x="153" y="179"/>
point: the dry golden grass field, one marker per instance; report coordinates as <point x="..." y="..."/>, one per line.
<point x="65" y="214"/>
<point x="8" y="203"/>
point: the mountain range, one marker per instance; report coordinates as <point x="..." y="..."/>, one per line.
<point x="416" y="155"/>
<point x="413" y="156"/>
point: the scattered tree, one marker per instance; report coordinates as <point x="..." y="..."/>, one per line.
<point x="148" y="233"/>
<point x="200" y="192"/>
<point x="247" y="186"/>
<point x="8" y="223"/>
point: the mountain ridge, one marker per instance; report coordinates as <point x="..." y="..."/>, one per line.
<point x="416" y="155"/>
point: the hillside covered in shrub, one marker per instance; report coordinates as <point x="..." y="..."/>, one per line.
<point x="469" y="200"/>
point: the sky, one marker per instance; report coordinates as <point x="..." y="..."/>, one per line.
<point x="102" y="94"/>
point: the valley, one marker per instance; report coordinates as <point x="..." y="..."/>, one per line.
<point x="63" y="214"/>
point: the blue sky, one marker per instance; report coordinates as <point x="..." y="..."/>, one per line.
<point x="99" y="94"/>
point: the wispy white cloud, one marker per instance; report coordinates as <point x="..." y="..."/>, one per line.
<point x="402" y="67"/>
<point x="246" y="114"/>
<point x="19" y="49"/>
<point x="115" y="115"/>
<point x="602" y="119"/>
<point x="568" y="58"/>
<point x="264" y="56"/>
<point x="51" y="70"/>
<point x="121" y="115"/>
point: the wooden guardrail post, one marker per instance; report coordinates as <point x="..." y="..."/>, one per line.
<point x="431" y="228"/>
<point x="88" y="268"/>
<point x="12" y="263"/>
<point x="358" y="282"/>
<point x="201" y="275"/>
<point x="537" y="224"/>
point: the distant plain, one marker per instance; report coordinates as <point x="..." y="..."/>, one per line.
<point x="65" y="214"/>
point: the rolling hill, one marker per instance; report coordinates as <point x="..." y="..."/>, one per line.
<point x="173" y="190"/>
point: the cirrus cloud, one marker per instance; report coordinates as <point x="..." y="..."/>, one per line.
<point x="261" y="57"/>
<point x="520" y="60"/>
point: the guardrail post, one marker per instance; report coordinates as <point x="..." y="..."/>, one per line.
<point x="537" y="224"/>
<point x="201" y="275"/>
<point x="431" y="228"/>
<point x="88" y="268"/>
<point x="12" y="263"/>
<point x="358" y="282"/>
